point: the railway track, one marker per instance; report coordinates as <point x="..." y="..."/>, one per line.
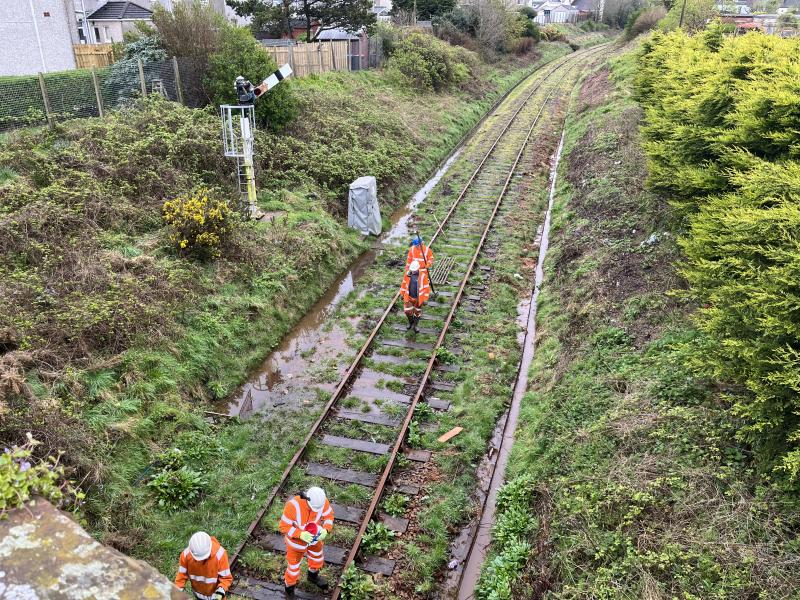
<point x="362" y="402"/>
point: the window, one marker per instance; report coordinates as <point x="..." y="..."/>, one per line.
<point x="97" y="35"/>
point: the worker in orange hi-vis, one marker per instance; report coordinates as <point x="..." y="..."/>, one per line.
<point x="421" y="253"/>
<point x="306" y="521"/>
<point x="415" y="290"/>
<point x="205" y="565"/>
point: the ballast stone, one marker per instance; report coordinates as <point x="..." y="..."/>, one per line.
<point x="44" y="554"/>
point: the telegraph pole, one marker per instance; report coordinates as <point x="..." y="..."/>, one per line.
<point x="683" y="10"/>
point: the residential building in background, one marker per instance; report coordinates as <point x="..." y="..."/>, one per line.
<point x="36" y="36"/>
<point x="111" y="20"/>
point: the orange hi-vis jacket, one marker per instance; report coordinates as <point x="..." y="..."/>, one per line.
<point x="417" y="253"/>
<point x="423" y="288"/>
<point x="296" y="515"/>
<point x="207" y="576"/>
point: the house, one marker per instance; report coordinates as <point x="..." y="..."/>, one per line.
<point x="556" y="12"/>
<point x="382" y="13"/>
<point x="587" y="8"/>
<point x="111" y="20"/>
<point x="789" y="6"/>
<point x="36" y="36"/>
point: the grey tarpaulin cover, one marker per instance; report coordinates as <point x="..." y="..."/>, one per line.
<point x="363" y="212"/>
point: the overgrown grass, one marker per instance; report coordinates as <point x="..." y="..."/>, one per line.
<point x="116" y="344"/>
<point x="636" y="480"/>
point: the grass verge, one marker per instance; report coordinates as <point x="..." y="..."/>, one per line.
<point x="626" y="479"/>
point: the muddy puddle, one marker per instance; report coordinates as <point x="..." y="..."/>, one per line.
<point x="305" y="362"/>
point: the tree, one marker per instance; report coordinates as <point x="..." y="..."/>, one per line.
<point x="426" y="10"/>
<point x="241" y="54"/>
<point x="316" y="15"/>
<point x="190" y="29"/>
<point x="696" y="13"/>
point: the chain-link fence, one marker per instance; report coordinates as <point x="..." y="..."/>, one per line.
<point x="49" y="98"/>
<point x="46" y="99"/>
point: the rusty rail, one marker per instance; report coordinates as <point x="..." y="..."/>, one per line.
<point x="352" y="369"/>
<point x="440" y="340"/>
<point x="356" y="362"/>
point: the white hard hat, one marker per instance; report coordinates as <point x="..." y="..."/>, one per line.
<point x="414" y="266"/>
<point x="200" y="545"/>
<point x="316" y="498"/>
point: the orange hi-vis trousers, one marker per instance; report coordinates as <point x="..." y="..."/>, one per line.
<point x="294" y="557"/>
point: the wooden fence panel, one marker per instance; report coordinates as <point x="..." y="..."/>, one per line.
<point x="314" y="57"/>
<point x="88" y="56"/>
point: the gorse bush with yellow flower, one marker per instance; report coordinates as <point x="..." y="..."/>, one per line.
<point x="200" y="223"/>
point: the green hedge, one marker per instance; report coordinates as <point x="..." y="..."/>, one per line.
<point x="722" y="124"/>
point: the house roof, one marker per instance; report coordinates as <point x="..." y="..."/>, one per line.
<point x="790" y="4"/>
<point x="120" y="11"/>
<point x="586" y="5"/>
<point x="337" y="34"/>
<point x="556" y="6"/>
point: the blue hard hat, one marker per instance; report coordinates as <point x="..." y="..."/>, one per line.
<point x="416" y="241"/>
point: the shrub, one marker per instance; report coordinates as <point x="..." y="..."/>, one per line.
<point x="123" y="80"/>
<point x="240" y="54"/>
<point x="721" y="137"/>
<point x="522" y="45"/>
<point x="200" y="224"/>
<point x="22" y="476"/>
<point x="177" y="489"/>
<point x="551" y="33"/>
<point x="426" y="63"/>
<point x="696" y="14"/>
<point x="643" y="20"/>
<point x="189" y="29"/>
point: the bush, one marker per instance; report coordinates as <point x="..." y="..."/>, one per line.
<point x="240" y="54"/>
<point x="200" y="224"/>
<point x="189" y="29"/>
<point x="551" y="33"/>
<point x="426" y="63"/>
<point x="695" y="15"/>
<point x="177" y="489"/>
<point x="721" y="137"/>
<point x="22" y="476"/>
<point x="522" y="45"/>
<point x="123" y="76"/>
<point x="643" y="20"/>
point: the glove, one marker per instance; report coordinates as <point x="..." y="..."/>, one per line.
<point x="306" y="537"/>
<point x="322" y="535"/>
<point x="218" y="596"/>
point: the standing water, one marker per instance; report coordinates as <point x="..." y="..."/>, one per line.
<point x="284" y="376"/>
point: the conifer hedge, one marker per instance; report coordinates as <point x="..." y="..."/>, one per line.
<point x="722" y="131"/>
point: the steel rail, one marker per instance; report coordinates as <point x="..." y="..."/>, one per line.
<point x="352" y="369"/>
<point x="440" y="340"/>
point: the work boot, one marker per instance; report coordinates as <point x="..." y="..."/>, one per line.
<point x="288" y="590"/>
<point x="416" y="322"/>
<point x="315" y="578"/>
<point x="410" y="323"/>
